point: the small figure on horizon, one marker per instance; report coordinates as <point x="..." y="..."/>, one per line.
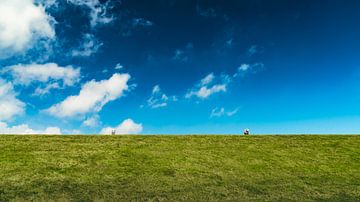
<point x="246" y="131"/>
<point x="113" y="132"/>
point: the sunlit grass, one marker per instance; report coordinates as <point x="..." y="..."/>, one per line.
<point x="187" y="168"/>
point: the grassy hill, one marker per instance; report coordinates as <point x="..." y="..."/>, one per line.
<point x="187" y="168"/>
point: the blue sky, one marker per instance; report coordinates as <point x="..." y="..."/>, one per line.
<point x="179" y="67"/>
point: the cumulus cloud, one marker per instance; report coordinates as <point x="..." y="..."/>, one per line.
<point x="24" y="129"/>
<point x="128" y="126"/>
<point x="89" y="46"/>
<point x="50" y="74"/>
<point x="98" y="11"/>
<point x="10" y="106"/>
<point x="22" y="24"/>
<point x="208" y="87"/>
<point x="159" y="99"/>
<point x="92" y="97"/>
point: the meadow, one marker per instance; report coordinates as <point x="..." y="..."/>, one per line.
<point x="180" y="168"/>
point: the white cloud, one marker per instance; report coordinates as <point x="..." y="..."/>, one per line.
<point x="24" y="129"/>
<point x="205" y="92"/>
<point x="142" y="22"/>
<point x="22" y="24"/>
<point x="10" y="106"/>
<point x="40" y="91"/>
<point x="89" y="46"/>
<point x="92" y="121"/>
<point x="49" y="74"/>
<point x="252" y="50"/>
<point x="255" y="49"/>
<point x="159" y="99"/>
<point x="212" y="84"/>
<point x="244" y="67"/>
<point x="92" y="97"/>
<point x="180" y="56"/>
<point x="98" y="11"/>
<point x="233" y="112"/>
<point x="208" y="79"/>
<point x="204" y="89"/>
<point x="218" y="112"/>
<point x="118" y="66"/>
<point x="128" y="126"/>
<point x="27" y="74"/>
<point x="248" y="68"/>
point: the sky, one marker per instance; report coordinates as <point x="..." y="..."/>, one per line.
<point x="179" y="66"/>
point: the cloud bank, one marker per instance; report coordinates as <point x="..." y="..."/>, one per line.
<point x="128" y="126"/>
<point x="24" y="129"/>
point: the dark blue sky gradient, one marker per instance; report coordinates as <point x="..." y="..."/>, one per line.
<point x="310" y="53"/>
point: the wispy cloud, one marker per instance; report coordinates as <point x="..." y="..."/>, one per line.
<point x="218" y="112"/>
<point x="118" y="66"/>
<point x="248" y="68"/>
<point x="212" y="84"/>
<point x="142" y="22"/>
<point x="89" y="46"/>
<point x="233" y="112"/>
<point x="98" y="12"/>
<point x="208" y="86"/>
<point x="182" y="55"/>
<point x="206" y="12"/>
<point x="159" y="99"/>
<point x="255" y="49"/>
<point x="252" y="50"/>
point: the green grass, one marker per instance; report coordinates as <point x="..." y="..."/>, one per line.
<point x="180" y="168"/>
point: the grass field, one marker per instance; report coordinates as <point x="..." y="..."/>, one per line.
<point x="186" y="168"/>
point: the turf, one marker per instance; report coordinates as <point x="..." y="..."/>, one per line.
<point x="180" y="168"/>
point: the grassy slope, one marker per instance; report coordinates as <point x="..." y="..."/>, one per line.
<point x="180" y="168"/>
